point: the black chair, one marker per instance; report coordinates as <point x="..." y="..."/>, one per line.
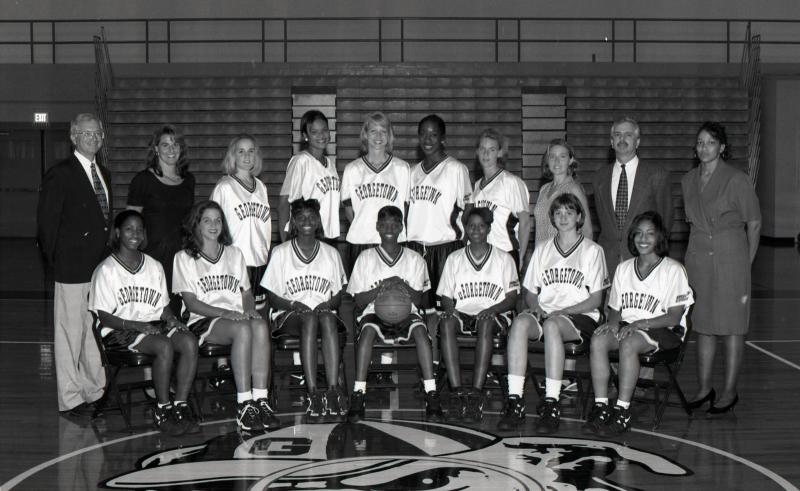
<point x="283" y="372"/>
<point x="114" y="362"/>
<point x="669" y="362"/>
<point x="211" y="351"/>
<point x="498" y="372"/>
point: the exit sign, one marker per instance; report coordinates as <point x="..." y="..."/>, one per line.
<point x="40" y="117"/>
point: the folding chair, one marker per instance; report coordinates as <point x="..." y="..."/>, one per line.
<point x="114" y="361"/>
<point x="284" y="372"/>
<point x="469" y="343"/>
<point x="211" y="351"/>
<point x="579" y="352"/>
<point x="670" y="361"/>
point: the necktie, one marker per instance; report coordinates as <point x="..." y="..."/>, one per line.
<point x="621" y="206"/>
<point x="99" y="192"/>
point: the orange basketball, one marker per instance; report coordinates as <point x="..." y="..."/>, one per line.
<point x="393" y="305"/>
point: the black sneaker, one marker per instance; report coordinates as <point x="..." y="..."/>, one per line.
<point x="315" y="407"/>
<point x="268" y="419"/>
<point x="457" y="405"/>
<point x="513" y="413"/>
<point x="549" y="416"/>
<point x="336" y="410"/>
<point x="357" y="407"/>
<point x="433" y="406"/>
<point x="620" y="420"/>
<point x="473" y="412"/>
<point x="599" y="416"/>
<point x="164" y="420"/>
<point x="222" y="379"/>
<point x="183" y="414"/>
<point x="248" y="417"/>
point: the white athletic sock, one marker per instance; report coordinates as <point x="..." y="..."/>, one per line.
<point x="162" y="406"/>
<point x="429" y="385"/>
<point x="178" y="403"/>
<point x="623" y="404"/>
<point x="516" y="385"/>
<point x="259" y="393"/>
<point x="601" y="400"/>
<point x="360" y="386"/>
<point x="244" y="396"/>
<point x="552" y="388"/>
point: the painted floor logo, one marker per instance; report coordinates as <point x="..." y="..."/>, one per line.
<point x="398" y="454"/>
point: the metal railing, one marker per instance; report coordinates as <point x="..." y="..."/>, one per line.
<point x="398" y="39"/>
<point x="751" y="80"/>
<point x="103" y="83"/>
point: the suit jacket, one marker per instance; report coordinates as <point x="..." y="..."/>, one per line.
<point x="651" y="191"/>
<point x="73" y="234"/>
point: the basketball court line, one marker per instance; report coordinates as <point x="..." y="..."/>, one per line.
<point x="771" y="354"/>
<point x="26" y="342"/>
<point x="780" y="481"/>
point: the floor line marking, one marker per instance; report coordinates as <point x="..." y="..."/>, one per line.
<point x="26" y="342"/>
<point x="785" y="484"/>
<point x="775" y="341"/>
<point x="773" y="355"/>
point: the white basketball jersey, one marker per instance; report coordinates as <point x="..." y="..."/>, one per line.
<point x="566" y="278"/>
<point x="436" y="200"/>
<point x="310" y="280"/>
<point x="637" y="297"/>
<point x="217" y="281"/>
<point x="375" y="265"/>
<point x="367" y="191"/>
<point x="477" y="284"/>
<point x="308" y="178"/>
<point x="248" y="215"/>
<point x="506" y="195"/>
<point x="138" y="294"/>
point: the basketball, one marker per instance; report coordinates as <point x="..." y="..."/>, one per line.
<point x="393" y="305"/>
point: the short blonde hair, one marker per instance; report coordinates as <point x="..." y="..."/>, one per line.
<point x="229" y="162"/>
<point x="379" y="119"/>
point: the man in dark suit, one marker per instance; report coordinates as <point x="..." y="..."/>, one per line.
<point x="620" y="197"/>
<point x="74" y="220"/>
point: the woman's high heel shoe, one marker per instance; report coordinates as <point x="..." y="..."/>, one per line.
<point x="710" y="397"/>
<point x="724" y="409"/>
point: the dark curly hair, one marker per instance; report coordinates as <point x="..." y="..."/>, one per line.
<point x="717" y="132"/>
<point x="485" y="213"/>
<point x="192" y="243"/>
<point x="662" y="244"/>
<point x="152" y="157"/>
<point x="299" y="206"/>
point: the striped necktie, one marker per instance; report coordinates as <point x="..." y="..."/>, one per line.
<point x="102" y="200"/>
<point x="621" y="205"/>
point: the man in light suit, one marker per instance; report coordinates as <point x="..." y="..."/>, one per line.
<point x="646" y="186"/>
<point x="74" y="217"/>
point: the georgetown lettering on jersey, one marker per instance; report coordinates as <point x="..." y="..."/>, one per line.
<point x="376" y="190"/>
<point x="569" y="276"/>
<point x="219" y="282"/>
<point x="138" y="294"/>
<point x="252" y="209"/>
<point x="641" y="301"/>
<point x="308" y="283"/>
<point x="327" y="184"/>
<point x="475" y="289"/>
<point x="485" y="203"/>
<point x="425" y="193"/>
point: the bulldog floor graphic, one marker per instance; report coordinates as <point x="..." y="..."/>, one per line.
<point x="399" y="455"/>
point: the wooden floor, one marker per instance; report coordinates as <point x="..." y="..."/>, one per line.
<point x="758" y="448"/>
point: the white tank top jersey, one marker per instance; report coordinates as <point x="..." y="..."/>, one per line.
<point x="217" y="281"/>
<point x="309" y="280"/>
<point x="308" y="178"/>
<point x="639" y="297"/>
<point x="138" y="294"/>
<point x="506" y="195"/>
<point x="375" y="265"/>
<point x="436" y="200"/>
<point x="248" y="215"/>
<point x="566" y="278"/>
<point x="368" y="190"/>
<point x="478" y="283"/>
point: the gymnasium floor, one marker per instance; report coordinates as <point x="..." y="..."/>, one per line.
<point x="757" y="448"/>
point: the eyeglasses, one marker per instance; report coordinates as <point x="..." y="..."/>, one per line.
<point x="90" y="134"/>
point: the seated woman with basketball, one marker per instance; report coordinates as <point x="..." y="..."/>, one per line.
<point x="563" y="289"/>
<point x="388" y="282"/>
<point x="211" y="276"/>
<point x="305" y="280"/>
<point x="130" y="298"/>
<point x="650" y="297"/>
<point x="478" y="288"/>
